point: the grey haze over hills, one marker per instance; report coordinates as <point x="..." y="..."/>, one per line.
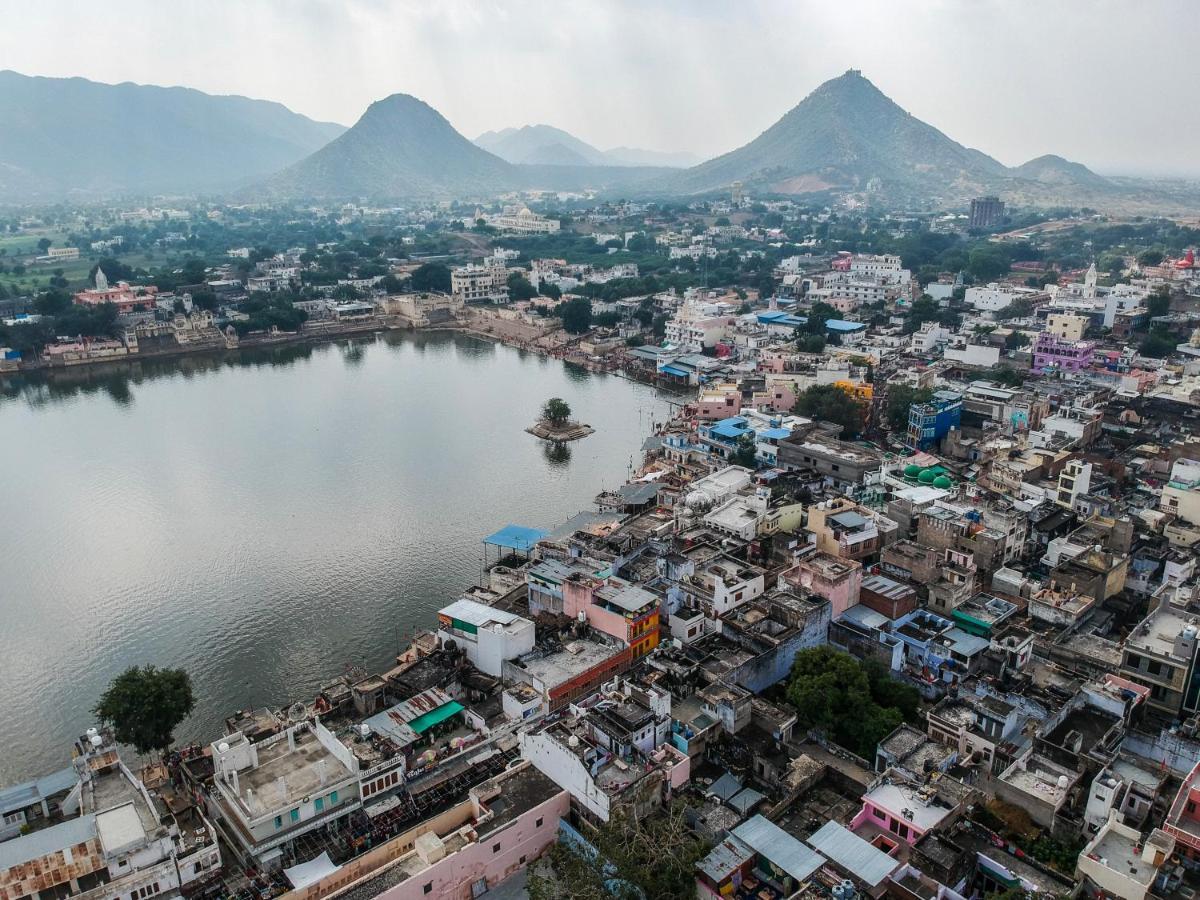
<point x="547" y="145"/>
<point x="404" y="148"/>
<point x="848" y="136"/>
<point x="76" y="139"/>
<point x="70" y="137"/>
<point x="401" y="147"/>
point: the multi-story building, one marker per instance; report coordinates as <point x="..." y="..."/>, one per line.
<point x="116" y="841"/>
<point x="269" y="793"/>
<point x="1161" y="655"/>
<point x="1181" y="494"/>
<point x="488" y="636"/>
<point x="985" y="212"/>
<point x="844" y="529"/>
<point x="1067" y="327"/>
<point x="473" y="283"/>
<point x="521" y="221"/>
<point x="929" y="422"/>
<point x="612" y="605"/>
<point x="1052" y="352"/>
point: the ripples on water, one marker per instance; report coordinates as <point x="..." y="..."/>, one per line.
<point x="267" y="518"/>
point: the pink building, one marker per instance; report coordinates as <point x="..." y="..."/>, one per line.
<point x="893" y="809"/>
<point x="124" y="296"/>
<point x="463" y="851"/>
<point x="614" y="606"/>
<point x="718" y="401"/>
<point x="837" y="580"/>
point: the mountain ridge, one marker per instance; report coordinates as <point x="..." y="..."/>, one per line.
<point x="534" y="144"/>
<point x="140" y="138"/>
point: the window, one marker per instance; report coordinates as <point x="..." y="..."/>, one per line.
<point x="319" y="804"/>
<point x="877" y="813"/>
<point x="333" y="799"/>
<point x="295" y="815"/>
<point x="538" y="823"/>
<point x="279" y="821"/>
<point x="521" y="861"/>
<point x="428" y="887"/>
<point x="495" y="848"/>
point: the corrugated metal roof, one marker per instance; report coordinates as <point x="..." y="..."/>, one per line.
<point x="28" y="793"/>
<point x="769" y="840"/>
<point x="746" y="800"/>
<point x="866" y="863"/>
<point x="477" y="613"/>
<point x="47" y="840"/>
<point x="724" y="787"/>
<point x="728" y="855"/>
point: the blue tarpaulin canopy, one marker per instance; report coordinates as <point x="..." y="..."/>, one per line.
<point x="515" y="537"/>
<point x="674" y="370"/>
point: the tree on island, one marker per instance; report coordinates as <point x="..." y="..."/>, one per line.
<point x="556" y="411"/>
<point x="144" y="704"/>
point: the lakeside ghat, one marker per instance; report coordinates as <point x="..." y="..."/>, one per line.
<point x="269" y="518"/>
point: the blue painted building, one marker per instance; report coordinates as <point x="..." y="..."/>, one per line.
<point x="929" y="422"/>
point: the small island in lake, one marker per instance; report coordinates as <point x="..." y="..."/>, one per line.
<point x="556" y="425"/>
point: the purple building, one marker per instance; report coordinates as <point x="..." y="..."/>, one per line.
<point x="1051" y="351"/>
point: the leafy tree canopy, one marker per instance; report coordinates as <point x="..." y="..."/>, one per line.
<point x="556" y="411"/>
<point x="144" y="704"/>
<point x="828" y="403"/>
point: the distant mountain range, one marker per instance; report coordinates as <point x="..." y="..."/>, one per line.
<point x="547" y="145"/>
<point x="70" y="137"/>
<point x="847" y="136"/>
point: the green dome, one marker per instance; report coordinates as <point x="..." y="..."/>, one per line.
<point x="942" y="482"/>
<point x="926" y="477"/>
<point x="912" y="470"/>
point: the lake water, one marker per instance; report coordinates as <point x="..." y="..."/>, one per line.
<point x="265" y="519"/>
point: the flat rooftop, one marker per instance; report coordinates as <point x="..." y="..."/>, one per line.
<point x="898" y="798"/>
<point x="574" y="659"/>
<point x="284" y="776"/>
<point x="1121" y="855"/>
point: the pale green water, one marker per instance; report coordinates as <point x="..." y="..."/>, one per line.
<point x="266" y="518"/>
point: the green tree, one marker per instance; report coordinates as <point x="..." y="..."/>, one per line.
<point x="431" y="277"/>
<point x="899" y="398"/>
<point x="1150" y="258"/>
<point x="820" y="313"/>
<point x="44" y="244"/>
<point x="1006" y="377"/>
<point x="1015" y="340"/>
<point x="1159" y="303"/>
<point x="745" y="454"/>
<point x="810" y="343"/>
<point x="829" y="403"/>
<point x="556" y="411"/>
<point x="576" y="315"/>
<point x="144" y="704"/>
<point x="553" y="291"/>
<point x="1018" y="309"/>
<point x="519" y="287"/>
<point x="1158" y="344"/>
<point x="988" y="261"/>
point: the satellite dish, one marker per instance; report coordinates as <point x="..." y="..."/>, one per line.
<point x="297" y="712"/>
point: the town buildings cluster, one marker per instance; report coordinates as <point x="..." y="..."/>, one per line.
<point x="1020" y="550"/>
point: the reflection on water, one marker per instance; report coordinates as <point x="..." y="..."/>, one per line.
<point x="557" y="453"/>
<point x="265" y="517"/>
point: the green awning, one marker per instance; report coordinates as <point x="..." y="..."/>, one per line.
<point x="421" y="724"/>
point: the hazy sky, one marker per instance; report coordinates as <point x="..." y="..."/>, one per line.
<point x="1110" y="84"/>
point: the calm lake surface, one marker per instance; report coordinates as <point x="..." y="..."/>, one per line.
<point x="266" y="518"/>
